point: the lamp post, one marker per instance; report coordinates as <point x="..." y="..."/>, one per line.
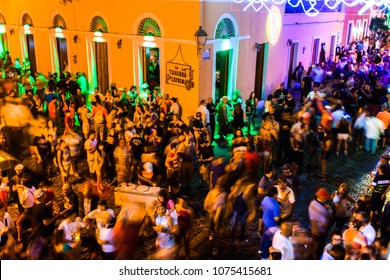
<point x="201" y="38"/>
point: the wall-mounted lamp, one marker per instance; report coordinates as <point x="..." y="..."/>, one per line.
<point x="200" y="38"/>
<point x="303" y="50"/>
<point x="58" y="33"/>
<point x="27" y="29"/>
<point x="12" y="32"/>
<point x="75" y="38"/>
<point x="74" y="57"/>
<point x="289" y="42"/>
<point x="258" y="46"/>
<point x="149" y="40"/>
<point x="119" y="43"/>
<point x="98" y="36"/>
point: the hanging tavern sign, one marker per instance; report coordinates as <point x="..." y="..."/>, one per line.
<point x="179" y="73"/>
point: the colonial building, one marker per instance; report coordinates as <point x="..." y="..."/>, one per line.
<point x="137" y="42"/>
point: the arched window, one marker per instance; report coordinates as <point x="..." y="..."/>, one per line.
<point x="59" y="21"/>
<point x="98" y="23"/>
<point x="2" y="19"/>
<point x="148" y="26"/>
<point x="225" y="29"/>
<point x="27" y="20"/>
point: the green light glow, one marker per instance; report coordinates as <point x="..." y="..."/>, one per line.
<point x="27" y="29"/>
<point x="2" y="28"/>
<point x="226" y="44"/>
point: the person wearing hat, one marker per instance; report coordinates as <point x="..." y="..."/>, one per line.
<point x="320" y="215"/>
<point x="17" y="182"/>
<point x="148" y="175"/>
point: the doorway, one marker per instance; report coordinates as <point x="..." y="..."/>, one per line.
<point x="315" y="53"/>
<point x="62" y="52"/>
<point x="151" y="66"/>
<point x="332" y="49"/>
<point x="222" y="73"/>
<point x="259" y="75"/>
<point x="101" y="58"/>
<point x="292" y="61"/>
<point x="31" y="52"/>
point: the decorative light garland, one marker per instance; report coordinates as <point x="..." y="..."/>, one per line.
<point x="312" y="11"/>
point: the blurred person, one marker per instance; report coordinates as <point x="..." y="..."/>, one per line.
<point x="336" y="238"/>
<point x="223" y="111"/>
<point x="100" y="215"/>
<point x="106" y="238"/>
<point x="269" y="222"/>
<point x="263" y="143"/>
<point x="122" y="162"/>
<point x="71" y="200"/>
<point x="239" y="118"/>
<point x="366" y="228"/>
<point x="187" y="154"/>
<point x="127" y="230"/>
<point x="373" y="130"/>
<point x="26" y="200"/>
<point x="285" y="198"/>
<point x="265" y="183"/>
<point x="90" y="146"/>
<point x="205" y="157"/>
<point x="325" y="145"/>
<point x="64" y="162"/>
<point x="282" y="241"/>
<point x="172" y="164"/>
<point x="166" y="229"/>
<point x="251" y="110"/>
<point x="149" y="175"/>
<point x="378" y="187"/>
<point x="62" y="250"/>
<point x="71" y="227"/>
<point x="352" y="237"/>
<point x="344" y="134"/>
<point x="215" y="205"/>
<point x="185" y="219"/>
<point x="384" y="116"/>
<point x="99" y="165"/>
<point x="242" y="202"/>
<point x="212" y="109"/>
<point x="320" y="215"/>
<point x="337" y="252"/>
<point x="341" y="199"/>
<point x="292" y="179"/>
<point x="99" y="116"/>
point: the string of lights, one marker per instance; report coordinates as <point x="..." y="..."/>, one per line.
<point x="312" y="7"/>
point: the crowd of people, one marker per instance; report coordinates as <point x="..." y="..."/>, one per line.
<point x="139" y="136"/>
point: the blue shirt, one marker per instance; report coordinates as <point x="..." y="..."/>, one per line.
<point x="271" y="209"/>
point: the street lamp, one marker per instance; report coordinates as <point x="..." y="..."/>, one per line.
<point x="201" y="38"/>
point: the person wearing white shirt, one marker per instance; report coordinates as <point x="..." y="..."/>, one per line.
<point x="101" y="214"/>
<point x="315" y="94"/>
<point x="282" y="241"/>
<point x="71" y="226"/>
<point x="206" y="116"/>
<point x="367" y="229"/>
<point x="106" y="238"/>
